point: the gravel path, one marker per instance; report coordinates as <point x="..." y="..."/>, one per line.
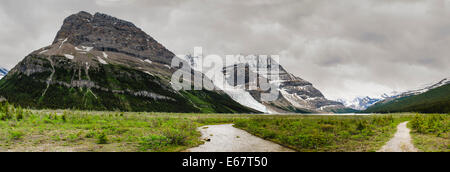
<point x="226" y="138"/>
<point x="401" y="142"/>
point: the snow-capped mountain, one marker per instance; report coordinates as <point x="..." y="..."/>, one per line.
<point x="424" y="88"/>
<point x="418" y="90"/>
<point x="3" y="72"/>
<point x="295" y="94"/>
<point x="359" y="103"/>
<point x="362" y="103"/>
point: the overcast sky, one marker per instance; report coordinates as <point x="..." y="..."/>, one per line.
<point x="345" y="48"/>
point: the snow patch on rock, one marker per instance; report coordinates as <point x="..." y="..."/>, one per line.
<point x="71" y="57"/>
<point x="105" y="55"/>
<point x="101" y="60"/>
<point x="62" y="43"/>
<point x="147" y="72"/>
<point x="84" y="48"/>
<point x="148" y="61"/>
<point x="43" y="51"/>
<point x="294" y="99"/>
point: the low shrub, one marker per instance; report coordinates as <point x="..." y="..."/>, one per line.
<point x="15" y="135"/>
<point x="430" y="124"/>
<point x="153" y="142"/>
<point x="101" y="138"/>
<point x="175" y="136"/>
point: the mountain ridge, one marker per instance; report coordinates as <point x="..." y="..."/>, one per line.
<point x="435" y="100"/>
<point x="365" y="102"/>
<point x="98" y="62"/>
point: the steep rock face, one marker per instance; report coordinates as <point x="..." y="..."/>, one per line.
<point x="98" y="62"/>
<point x="295" y="94"/>
<point x="106" y="33"/>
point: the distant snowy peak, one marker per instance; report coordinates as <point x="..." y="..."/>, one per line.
<point x="3" y="72"/>
<point x="360" y="103"/>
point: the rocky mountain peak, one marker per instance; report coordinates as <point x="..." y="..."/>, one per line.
<point x="107" y="33"/>
<point x="295" y="93"/>
<point x="99" y="62"/>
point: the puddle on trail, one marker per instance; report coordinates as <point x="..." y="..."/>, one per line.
<point x="226" y="138"/>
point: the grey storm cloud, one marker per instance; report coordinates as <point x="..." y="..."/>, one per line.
<point x="345" y="48"/>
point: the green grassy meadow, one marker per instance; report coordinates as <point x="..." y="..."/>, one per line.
<point x="24" y="130"/>
<point x="430" y="133"/>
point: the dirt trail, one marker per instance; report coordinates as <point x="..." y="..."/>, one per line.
<point x="226" y="138"/>
<point x="401" y="142"/>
